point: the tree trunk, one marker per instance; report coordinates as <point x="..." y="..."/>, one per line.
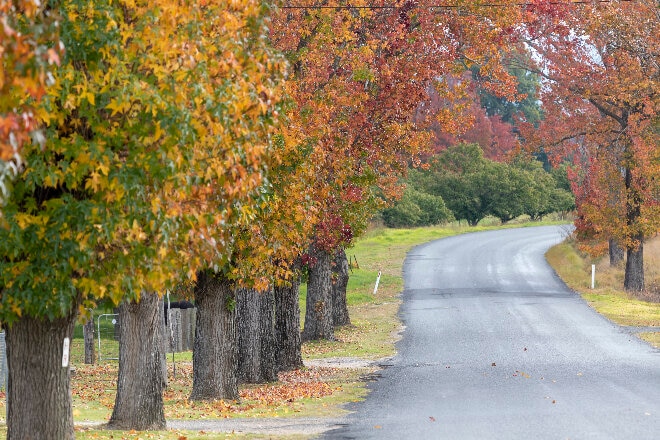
<point x="88" y="336"/>
<point x="339" y="283"/>
<point x="38" y="389"/>
<point x="287" y="326"/>
<point x="616" y="252"/>
<point x="215" y="350"/>
<point x="142" y="368"/>
<point x="634" y="275"/>
<point x="318" y="312"/>
<point x="256" y="336"/>
<point x="633" y="279"/>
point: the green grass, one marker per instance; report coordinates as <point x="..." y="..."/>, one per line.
<point x="608" y="296"/>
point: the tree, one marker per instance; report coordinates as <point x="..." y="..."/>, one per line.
<point x="257" y="348"/>
<point x="152" y="142"/>
<point x="472" y="121"/>
<point x="30" y="50"/>
<point x="215" y="351"/>
<point x="417" y="208"/>
<point x="287" y="323"/>
<point x="340" y="277"/>
<point x="473" y="186"/>
<point x="358" y="75"/>
<point x="461" y="179"/>
<point x="601" y="98"/>
<point x="511" y="190"/>
<point x="139" y="402"/>
<point x="266" y="249"/>
<point x="526" y="106"/>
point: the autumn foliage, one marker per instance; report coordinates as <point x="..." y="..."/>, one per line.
<point x="157" y="131"/>
<point x="601" y="95"/>
<point x="142" y="142"/>
<point x="30" y="49"/>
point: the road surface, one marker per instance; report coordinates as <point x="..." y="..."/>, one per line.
<point x="496" y="347"/>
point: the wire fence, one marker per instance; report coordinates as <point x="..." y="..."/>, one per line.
<point x="107" y="333"/>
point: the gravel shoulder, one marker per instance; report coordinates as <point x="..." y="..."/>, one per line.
<point x="271" y="426"/>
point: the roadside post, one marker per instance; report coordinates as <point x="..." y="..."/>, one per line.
<point x="377" y="281"/>
<point x="593" y="276"/>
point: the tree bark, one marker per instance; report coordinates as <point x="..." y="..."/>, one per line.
<point x="617" y="252"/>
<point x="256" y="336"/>
<point x="38" y="389"/>
<point x="88" y="336"/>
<point x="339" y="282"/>
<point x="634" y="275"/>
<point x="215" y="351"/>
<point x="318" y="312"/>
<point x="287" y="326"/>
<point x="142" y="368"/>
<point x="633" y="279"/>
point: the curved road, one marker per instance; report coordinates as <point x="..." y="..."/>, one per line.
<point x="496" y="347"/>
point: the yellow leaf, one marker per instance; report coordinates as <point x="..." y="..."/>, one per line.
<point x="23" y="220"/>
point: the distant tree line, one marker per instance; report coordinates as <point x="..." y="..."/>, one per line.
<point x="462" y="184"/>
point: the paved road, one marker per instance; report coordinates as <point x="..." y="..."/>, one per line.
<point x="496" y="347"/>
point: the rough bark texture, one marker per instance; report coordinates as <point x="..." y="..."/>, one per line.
<point x="617" y="252"/>
<point x="88" y="334"/>
<point x="256" y="336"/>
<point x="633" y="279"/>
<point x="318" y="312"/>
<point x="287" y="326"/>
<point x="339" y="282"/>
<point x="142" y="368"/>
<point x="215" y="351"/>
<point x="38" y="389"/>
<point x="634" y="274"/>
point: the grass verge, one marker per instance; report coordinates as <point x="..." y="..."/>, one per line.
<point x="608" y="296"/>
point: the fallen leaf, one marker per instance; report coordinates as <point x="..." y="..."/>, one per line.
<point x="431" y="418"/>
<point x="378" y="427"/>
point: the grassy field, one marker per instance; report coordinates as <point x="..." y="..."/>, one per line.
<point x="608" y="297"/>
<point x="321" y="391"/>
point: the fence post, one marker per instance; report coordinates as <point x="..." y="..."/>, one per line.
<point x="88" y="336"/>
<point x="4" y="373"/>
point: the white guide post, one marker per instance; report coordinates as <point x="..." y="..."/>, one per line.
<point x="377" y="281"/>
<point x="593" y="276"/>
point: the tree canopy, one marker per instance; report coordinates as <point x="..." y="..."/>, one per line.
<point x="30" y="49"/>
<point x="601" y="97"/>
<point x="473" y="187"/>
<point x="157" y="128"/>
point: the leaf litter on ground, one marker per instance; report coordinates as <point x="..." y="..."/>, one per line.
<point x="93" y="389"/>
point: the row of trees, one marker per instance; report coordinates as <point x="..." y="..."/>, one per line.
<point x="223" y="143"/>
<point x="462" y="184"/>
<point x="601" y="71"/>
<point x="228" y="144"/>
